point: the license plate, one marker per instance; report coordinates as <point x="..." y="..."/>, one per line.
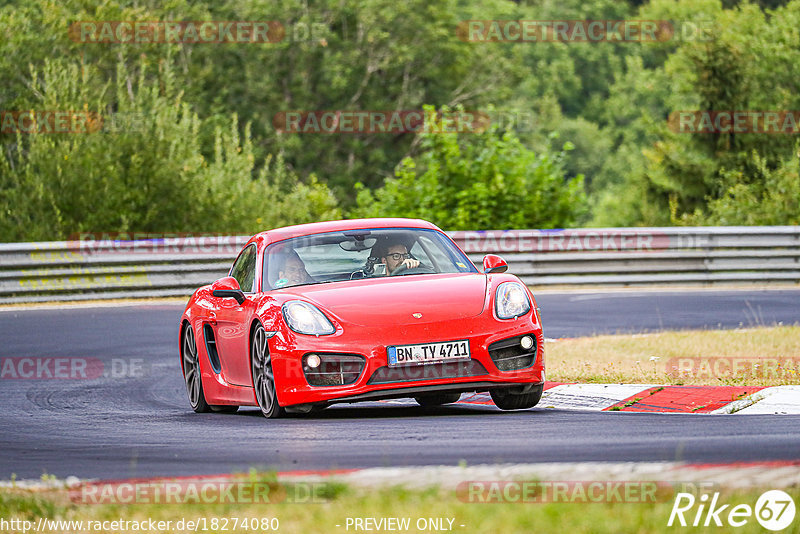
<point x="427" y="353"/>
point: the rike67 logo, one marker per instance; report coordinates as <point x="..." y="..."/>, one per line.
<point x="774" y="510"/>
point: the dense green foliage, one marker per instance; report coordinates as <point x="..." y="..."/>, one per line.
<point x="196" y="149"/>
<point x="486" y="180"/>
<point x="147" y="174"/>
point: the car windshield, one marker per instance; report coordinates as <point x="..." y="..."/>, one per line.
<point x="359" y="254"/>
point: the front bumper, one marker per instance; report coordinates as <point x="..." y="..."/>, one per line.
<point x="378" y="381"/>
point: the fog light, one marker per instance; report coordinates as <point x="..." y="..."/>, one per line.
<point x="313" y="361"/>
<point x="526" y="342"/>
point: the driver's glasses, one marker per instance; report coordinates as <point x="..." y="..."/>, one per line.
<point x="397" y="256"/>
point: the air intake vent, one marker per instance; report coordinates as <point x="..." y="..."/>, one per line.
<point x="511" y="355"/>
<point x="211" y="348"/>
<point x="333" y="369"/>
<point x="412" y="373"/>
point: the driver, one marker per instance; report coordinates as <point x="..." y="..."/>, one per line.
<point x="396" y="255"/>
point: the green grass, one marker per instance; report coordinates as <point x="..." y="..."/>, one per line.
<point x="769" y="356"/>
<point x="342" y="502"/>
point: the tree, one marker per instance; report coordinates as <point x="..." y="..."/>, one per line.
<point x="745" y="62"/>
<point x="474" y="181"/>
<point x="148" y="175"/>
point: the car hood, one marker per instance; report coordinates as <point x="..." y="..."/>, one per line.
<point x="395" y="300"/>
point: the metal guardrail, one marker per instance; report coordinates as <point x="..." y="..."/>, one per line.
<point x="644" y="256"/>
<point x="80" y="270"/>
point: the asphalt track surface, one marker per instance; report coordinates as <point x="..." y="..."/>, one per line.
<point x="143" y="426"/>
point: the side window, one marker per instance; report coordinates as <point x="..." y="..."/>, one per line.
<point x="244" y="269"/>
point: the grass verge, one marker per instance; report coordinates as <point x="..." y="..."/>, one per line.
<point x="331" y="513"/>
<point x="766" y="356"/>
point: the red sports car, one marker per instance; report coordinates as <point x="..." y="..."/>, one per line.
<point x="356" y="310"/>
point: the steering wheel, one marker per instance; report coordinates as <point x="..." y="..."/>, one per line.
<point x="404" y="269"/>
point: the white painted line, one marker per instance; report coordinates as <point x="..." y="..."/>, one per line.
<point x="589" y="396"/>
<point x="604" y="291"/>
<point x="111" y="303"/>
<point x="774" y="400"/>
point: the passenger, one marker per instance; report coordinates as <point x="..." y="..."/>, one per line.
<point x="293" y="273"/>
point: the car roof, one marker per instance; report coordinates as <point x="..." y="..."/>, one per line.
<point x="288" y="232"/>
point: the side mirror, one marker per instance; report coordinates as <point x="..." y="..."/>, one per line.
<point x="494" y="264"/>
<point x="226" y="288"/>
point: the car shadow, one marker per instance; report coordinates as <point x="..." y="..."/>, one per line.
<point x="388" y="411"/>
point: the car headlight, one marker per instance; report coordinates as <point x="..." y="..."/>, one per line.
<point x="305" y="318"/>
<point x="511" y="300"/>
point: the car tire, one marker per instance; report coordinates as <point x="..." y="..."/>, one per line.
<point x="191" y="372"/>
<point x="263" y="378"/>
<point x="437" y="399"/>
<point x="505" y="400"/>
